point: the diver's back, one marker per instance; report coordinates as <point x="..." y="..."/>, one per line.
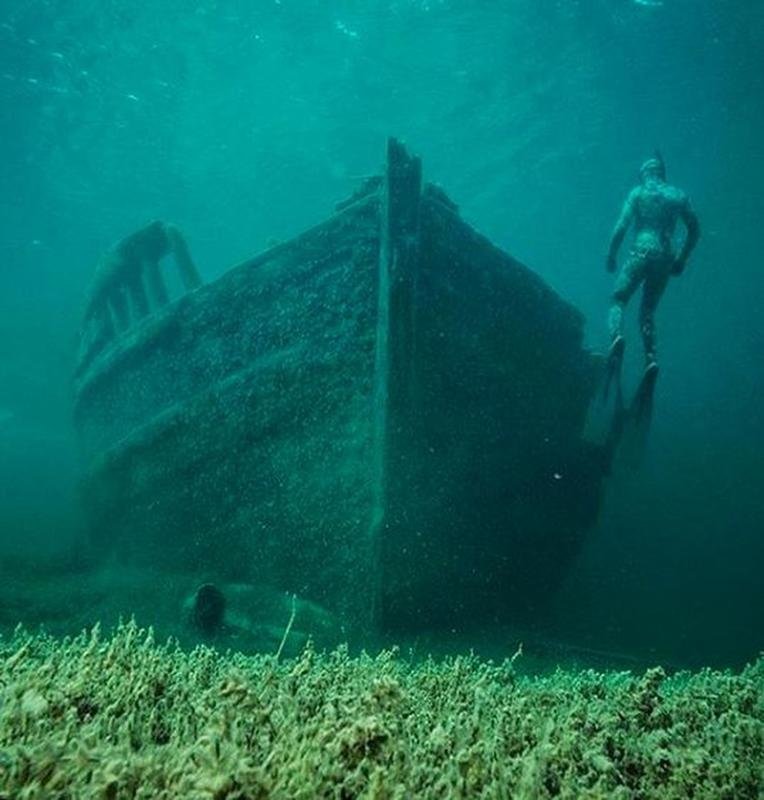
<point x="657" y="209"/>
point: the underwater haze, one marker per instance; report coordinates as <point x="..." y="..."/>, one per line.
<point x="245" y="122"/>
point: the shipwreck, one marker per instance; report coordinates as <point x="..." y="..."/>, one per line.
<point x="384" y="415"/>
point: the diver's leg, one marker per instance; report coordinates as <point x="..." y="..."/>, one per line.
<point x="626" y="284"/>
<point x="654" y="286"/>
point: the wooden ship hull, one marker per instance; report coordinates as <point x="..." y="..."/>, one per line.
<point x="383" y="415"/>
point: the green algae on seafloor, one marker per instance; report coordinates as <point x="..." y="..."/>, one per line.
<point x="123" y="717"/>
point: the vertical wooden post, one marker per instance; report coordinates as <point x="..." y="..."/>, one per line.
<point x="189" y="275"/>
<point x="395" y="341"/>
<point x="155" y="283"/>
<point x="138" y="298"/>
<point x="400" y="250"/>
<point x="119" y="308"/>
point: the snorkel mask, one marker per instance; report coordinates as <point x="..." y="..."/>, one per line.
<point x="654" y="167"/>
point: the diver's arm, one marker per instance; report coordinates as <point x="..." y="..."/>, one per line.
<point x="690" y="219"/>
<point x="627" y="214"/>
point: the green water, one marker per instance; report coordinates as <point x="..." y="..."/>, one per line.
<point x="245" y="122"/>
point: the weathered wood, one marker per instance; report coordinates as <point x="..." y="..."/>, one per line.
<point x="231" y="431"/>
<point x="155" y="283"/>
<point x="139" y="302"/>
<point x="398" y="263"/>
<point x="494" y="487"/>
<point x="123" y="275"/>
<point x="383" y="415"/>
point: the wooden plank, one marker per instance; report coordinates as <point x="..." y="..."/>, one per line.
<point x="398" y="259"/>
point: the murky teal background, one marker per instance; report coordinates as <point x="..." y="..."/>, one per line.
<point x="245" y="121"/>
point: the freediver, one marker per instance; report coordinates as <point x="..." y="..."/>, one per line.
<point x="653" y="207"/>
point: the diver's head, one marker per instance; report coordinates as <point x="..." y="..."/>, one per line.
<point x="654" y="169"/>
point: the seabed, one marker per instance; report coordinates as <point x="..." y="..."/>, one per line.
<point x="121" y="716"/>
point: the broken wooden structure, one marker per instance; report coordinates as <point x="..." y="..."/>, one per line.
<point x="383" y="415"/>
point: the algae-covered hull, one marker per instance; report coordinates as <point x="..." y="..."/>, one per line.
<point x="383" y="415"/>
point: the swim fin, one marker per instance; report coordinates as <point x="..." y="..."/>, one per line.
<point x="642" y="405"/>
<point x="613" y="365"/>
<point x="627" y="439"/>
